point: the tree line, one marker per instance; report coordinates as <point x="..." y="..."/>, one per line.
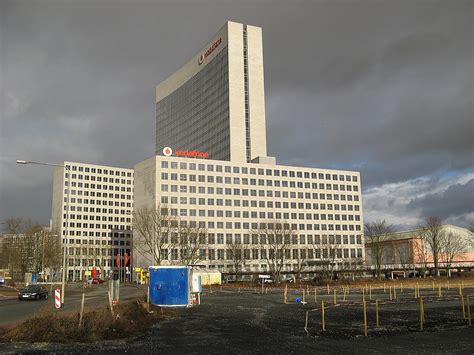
<point x="431" y="244"/>
<point x="160" y="236"/>
<point x="27" y="247"/>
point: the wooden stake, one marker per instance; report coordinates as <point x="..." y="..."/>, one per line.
<point x="468" y="311"/>
<point x="394" y="293"/>
<point x="334" y="297"/>
<point x="460" y="290"/>
<point x="421" y="313"/>
<point x="377" y="313"/>
<point x="285" y="293"/>
<point x="363" y="295"/>
<point x="82" y="308"/>
<point x="365" y="319"/>
<point x="306" y="323"/>
<point x="370" y="293"/>
<point x="462" y="307"/>
<point x="315" y="295"/>
<point x="448" y="285"/>
<point x="384" y="287"/>
<point x="323" y="324"/>
<point x="401" y="287"/>
<point x="147" y="299"/>
<point x="344" y="297"/>
<point x="423" y="309"/>
<point x="439" y="290"/>
<point x="112" y="306"/>
<point x="303" y="296"/>
<point x="327" y="285"/>
<point x="390" y="292"/>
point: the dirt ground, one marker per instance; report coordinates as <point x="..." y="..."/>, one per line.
<point x="247" y="322"/>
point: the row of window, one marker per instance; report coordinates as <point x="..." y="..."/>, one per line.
<point x="99" y="170"/>
<point x="183" y="200"/>
<point x="94" y="178"/>
<point x="103" y="210"/>
<point x="256" y="239"/>
<point x="260" y="193"/>
<point x="256" y="171"/>
<point x="97" y="226"/>
<point x="262" y="254"/>
<point x="87" y="201"/>
<point x="254" y="182"/>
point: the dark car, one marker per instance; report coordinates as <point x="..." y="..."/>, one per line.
<point x="32" y="292"/>
<point x="97" y="281"/>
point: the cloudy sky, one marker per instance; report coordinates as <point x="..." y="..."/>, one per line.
<point x="383" y="87"/>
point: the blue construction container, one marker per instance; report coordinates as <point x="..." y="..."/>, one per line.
<point x="170" y="286"/>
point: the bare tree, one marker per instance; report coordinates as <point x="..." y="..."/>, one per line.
<point x="152" y="230"/>
<point x="275" y="238"/>
<point x="404" y="254"/>
<point x="191" y="239"/>
<point x="433" y="235"/>
<point x="236" y="253"/>
<point x="301" y="258"/>
<point x="376" y="234"/>
<point x="52" y="249"/>
<point x="25" y="248"/>
<point x="451" y="247"/>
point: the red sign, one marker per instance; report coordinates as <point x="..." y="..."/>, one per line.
<point x="191" y="153"/>
<point x="210" y="50"/>
<point x="117" y="260"/>
<point x="125" y="259"/>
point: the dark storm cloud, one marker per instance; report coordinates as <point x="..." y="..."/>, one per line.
<point x="385" y="88"/>
<point x="456" y="200"/>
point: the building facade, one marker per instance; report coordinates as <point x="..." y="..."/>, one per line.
<point x="230" y="202"/>
<point x="99" y="219"/>
<point x="215" y="102"/>
<point x="407" y="250"/>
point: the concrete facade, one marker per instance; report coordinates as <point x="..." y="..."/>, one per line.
<point x="181" y="95"/>
<point x="100" y="216"/>
<point x="407" y="250"/>
<point x="230" y="201"/>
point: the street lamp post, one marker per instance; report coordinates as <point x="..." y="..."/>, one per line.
<point x="66" y="167"/>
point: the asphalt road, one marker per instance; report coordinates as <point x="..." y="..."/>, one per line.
<point x="13" y="311"/>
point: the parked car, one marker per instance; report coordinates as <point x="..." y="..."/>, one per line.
<point x="33" y="292"/>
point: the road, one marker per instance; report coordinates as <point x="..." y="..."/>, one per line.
<point x="14" y="311"/>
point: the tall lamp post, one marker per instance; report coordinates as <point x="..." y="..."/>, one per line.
<point x="66" y="167"/>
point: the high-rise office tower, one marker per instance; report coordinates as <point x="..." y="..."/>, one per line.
<point x="214" y="105"/>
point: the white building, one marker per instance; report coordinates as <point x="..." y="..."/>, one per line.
<point x="230" y="200"/>
<point x="215" y="102"/>
<point x="99" y="222"/>
<point x="211" y="170"/>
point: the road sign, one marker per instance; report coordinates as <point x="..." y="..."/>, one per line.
<point x="57" y="298"/>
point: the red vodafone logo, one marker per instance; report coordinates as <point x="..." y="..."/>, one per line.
<point x="211" y="49"/>
<point x="167" y="151"/>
